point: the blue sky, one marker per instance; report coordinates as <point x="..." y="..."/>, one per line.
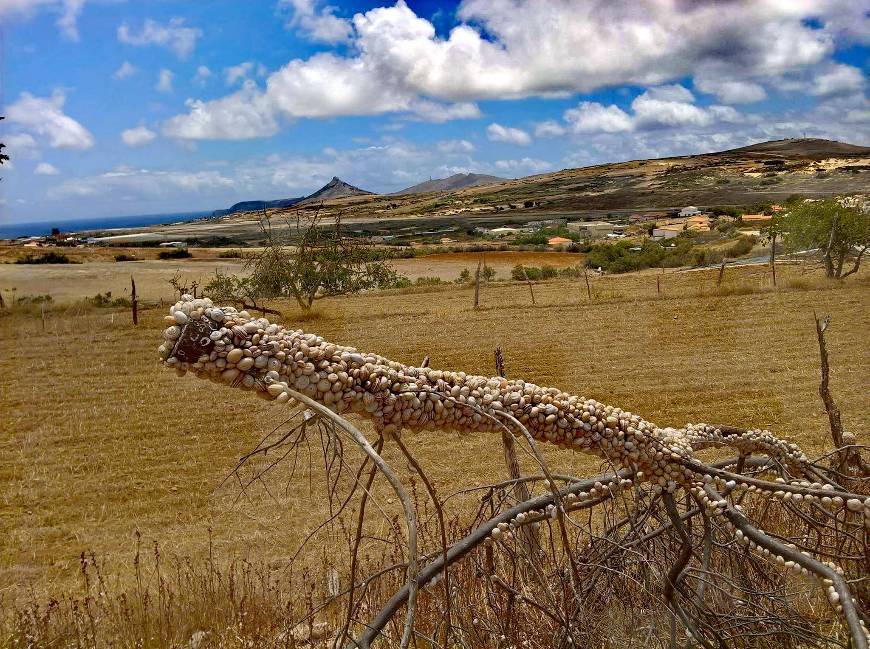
<point x="129" y="107"/>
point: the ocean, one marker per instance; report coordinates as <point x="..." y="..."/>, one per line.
<point x="40" y="228"/>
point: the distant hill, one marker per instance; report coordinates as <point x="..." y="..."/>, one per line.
<point x="803" y="148"/>
<point x="452" y="183"/>
<point x="336" y="188"/>
<point x="252" y="206"/>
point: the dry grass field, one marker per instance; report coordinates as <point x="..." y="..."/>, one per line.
<point x="98" y="272"/>
<point x="97" y="441"/>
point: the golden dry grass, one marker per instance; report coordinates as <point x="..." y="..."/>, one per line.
<point x="100" y="273"/>
<point x="98" y="441"/>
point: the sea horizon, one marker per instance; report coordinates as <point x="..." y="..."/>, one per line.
<point x="90" y="224"/>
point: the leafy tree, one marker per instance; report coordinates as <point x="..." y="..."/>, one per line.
<point x="306" y="261"/>
<point x="837" y="228"/>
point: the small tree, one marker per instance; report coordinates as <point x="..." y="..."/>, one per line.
<point x="306" y="261"/>
<point x="838" y="228"/>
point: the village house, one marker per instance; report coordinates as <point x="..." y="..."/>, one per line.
<point x="591" y="229"/>
<point x="755" y="218"/>
<point x="698" y="223"/>
<point x="691" y="210"/>
<point x="668" y="231"/>
<point x="503" y="232"/>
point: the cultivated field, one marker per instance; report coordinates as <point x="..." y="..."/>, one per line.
<point x="98" y="273"/>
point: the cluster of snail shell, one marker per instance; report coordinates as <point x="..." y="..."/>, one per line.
<point x="231" y="347"/>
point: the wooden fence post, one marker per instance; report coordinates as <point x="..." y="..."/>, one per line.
<point x="531" y="290"/>
<point x="773" y="256"/>
<point x="134" y="304"/>
<point x="588" y="288"/>
<point x="477" y="285"/>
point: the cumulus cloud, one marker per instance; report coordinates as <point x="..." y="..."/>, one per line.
<point x="436" y="112"/>
<point x="731" y="91"/>
<point x="236" y="73"/>
<point x="46" y="169"/>
<point x="661" y="107"/>
<point x="549" y="128"/>
<point x="164" y="80"/>
<point x="203" y="74"/>
<point x="19" y="142"/>
<point x="137" y="136"/>
<point x="523" y="166"/>
<point x="838" y="80"/>
<point x="455" y="146"/>
<point x="592" y="117"/>
<point x="68" y="12"/>
<point x="44" y="116"/>
<point x="124" y="71"/>
<point x="498" y="52"/>
<point x="499" y="133"/>
<point x="245" y="114"/>
<point x="173" y="35"/>
<point x="318" y="22"/>
<point x="143" y="183"/>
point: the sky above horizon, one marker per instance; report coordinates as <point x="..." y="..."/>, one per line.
<point x="120" y="107"/>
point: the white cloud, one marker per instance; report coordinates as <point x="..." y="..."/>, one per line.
<point x="432" y="111"/>
<point x="124" y="71"/>
<point x="318" y="22"/>
<point x="731" y="91"/>
<point x="68" y="20"/>
<point x="137" y="136"/>
<point x="173" y="35"/>
<point x="46" y="169"/>
<point x="68" y="10"/>
<point x="660" y="107"/>
<point x="236" y="73"/>
<point x="203" y="74"/>
<point x="549" y="128"/>
<point x="591" y="117"/>
<point x="19" y="142"/>
<point x="455" y="146"/>
<point x="245" y="114"/>
<point x="499" y="133"/>
<point x="143" y="183"/>
<point x="838" y="80"/>
<point x="396" y="58"/>
<point x="164" y="81"/>
<point x="524" y="166"/>
<point x="44" y="116"/>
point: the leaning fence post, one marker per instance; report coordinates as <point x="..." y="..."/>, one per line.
<point x="477" y="285"/>
<point x="134" y="305"/>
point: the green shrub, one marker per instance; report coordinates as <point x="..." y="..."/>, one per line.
<point x="47" y="258"/>
<point x="230" y="254"/>
<point x="742" y="246"/>
<point x="520" y="273"/>
<point x="26" y="300"/>
<point x="125" y="257"/>
<point x="105" y="300"/>
<point x="174" y="253"/>
<point x="427" y="281"/>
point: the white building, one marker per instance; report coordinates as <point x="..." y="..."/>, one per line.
<point x="691" y="210"/>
